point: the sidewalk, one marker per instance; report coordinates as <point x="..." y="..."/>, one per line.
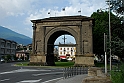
<point x="75" y="79"/>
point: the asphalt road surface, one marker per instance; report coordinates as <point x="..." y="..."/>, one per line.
<point x="14" y="74"/>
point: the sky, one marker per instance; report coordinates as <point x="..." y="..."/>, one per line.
<point x="16" y="14"/>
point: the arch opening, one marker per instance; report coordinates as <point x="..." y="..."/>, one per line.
<point x="51" y="45"/>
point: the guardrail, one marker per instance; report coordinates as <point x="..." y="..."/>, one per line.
<point x="72" y="71"/>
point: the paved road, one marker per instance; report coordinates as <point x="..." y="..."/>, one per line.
<point x="13" y="74"/>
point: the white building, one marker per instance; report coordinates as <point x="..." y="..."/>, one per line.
<point x="66" y="51"/>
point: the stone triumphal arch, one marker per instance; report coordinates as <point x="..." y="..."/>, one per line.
<point x="47" y="30"/>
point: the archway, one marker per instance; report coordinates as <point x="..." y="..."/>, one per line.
<point x="46" y="31"/>
<point x="50" y="44"/>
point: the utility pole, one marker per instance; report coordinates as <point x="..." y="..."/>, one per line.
<point x="64" y="39"/>
<point x="105" y="48"/>
<point x="108" y="2"/>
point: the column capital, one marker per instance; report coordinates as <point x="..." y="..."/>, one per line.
<point x="34" y="26"/>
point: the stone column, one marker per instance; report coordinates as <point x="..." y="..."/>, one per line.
<point x="85" y="57"/>
<point x="34" y="35"/>
<point x="81" y="48"/>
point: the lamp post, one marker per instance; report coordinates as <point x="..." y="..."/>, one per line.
<point x="108" y="2"/>
<point x="105" y="47"/>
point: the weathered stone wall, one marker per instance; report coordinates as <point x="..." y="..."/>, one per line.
<point x="95" y="75"/>
<point x="81" y="60"/>
<point x="80" y="27"/>
<point x="87" y="37"/>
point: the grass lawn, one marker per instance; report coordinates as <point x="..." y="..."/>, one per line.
<point x="99" y="64"/>
<point x="64" y="64"/>
<point x="61" y="64"/>
<point x="22" y="64"/>
<point x="58" y="64"/>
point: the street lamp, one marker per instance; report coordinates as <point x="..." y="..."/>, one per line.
<point x="108" y="2"/>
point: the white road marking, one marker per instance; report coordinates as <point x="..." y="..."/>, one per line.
<point x="46" y="73"/>
<point x="22" y="70"/>
<point x="29" y="81"/>
<point x="4" y="80"/>
<point x="52" y="80"/>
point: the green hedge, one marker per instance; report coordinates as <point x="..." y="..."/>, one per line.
<point x="118" y="76"/>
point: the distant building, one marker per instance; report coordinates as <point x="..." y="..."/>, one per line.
<point x="7" y="47"/>
<point x="23" y="48"/>
<point x="22" y="55"/>
<point x="23" y="51"/>
<point x="66" y="51"/>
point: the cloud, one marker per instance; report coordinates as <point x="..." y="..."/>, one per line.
<point x="38" y="9"/>
<point x="87" y="7"/>
<point x="15" y="7"/>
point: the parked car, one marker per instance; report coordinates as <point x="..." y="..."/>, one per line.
<point x="2" y="60"/>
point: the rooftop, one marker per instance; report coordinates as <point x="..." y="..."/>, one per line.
<point x="63" y="18"/>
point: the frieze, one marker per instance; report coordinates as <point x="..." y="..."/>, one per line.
<point x="71" y="23"/>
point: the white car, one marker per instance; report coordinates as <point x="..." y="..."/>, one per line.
<point x="2" y="60"/>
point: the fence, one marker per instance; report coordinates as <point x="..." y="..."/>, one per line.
<point x="72" y="71"/>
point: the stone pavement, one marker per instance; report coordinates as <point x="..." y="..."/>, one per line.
<point x="75" y="79"/>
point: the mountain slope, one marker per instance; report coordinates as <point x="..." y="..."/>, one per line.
<point x="11" y="35"/>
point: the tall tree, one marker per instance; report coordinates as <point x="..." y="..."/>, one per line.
<point x="101" y="27"/>
<point x="117" y="6"/>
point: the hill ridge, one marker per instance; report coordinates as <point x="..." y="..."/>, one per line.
<point x="8" y="34"/>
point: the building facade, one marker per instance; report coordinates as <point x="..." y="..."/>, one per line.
<point x="23" y="51"/>
<point x="67" y="51"/>
<point x="7" y="47"/>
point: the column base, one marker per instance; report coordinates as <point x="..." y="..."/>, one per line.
<point x="95" y="75"/>
<point x="84" y="60"/>
<point x="38" y="60"/>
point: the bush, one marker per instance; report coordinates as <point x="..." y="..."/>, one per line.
<point x="118" y="76"/>
<point x="7" y="58"/>
<point x="63" y="60"/>
<point x="14" y="57"/>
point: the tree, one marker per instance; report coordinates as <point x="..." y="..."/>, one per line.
<point x="101" y="24"/>
<point x="117" y="6"/>
<point x="117" y="47"/>
<point x="101" y="27"/>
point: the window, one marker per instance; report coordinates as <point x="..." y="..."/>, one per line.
<point x="13" y="45"/>
<point x="2" y="51"/>
<point x="8" y="44"/>
<point x="71" y="50"/>
<point x="2" y="44"/>
<point x="64" y="50"/>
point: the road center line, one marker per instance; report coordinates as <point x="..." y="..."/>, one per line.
<point x="29" y="81"/>
<point x="46" y="73"/>
<point x="22" y="70"/>
<point x="52" y="80"/>
<point x="4" y="80"/>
